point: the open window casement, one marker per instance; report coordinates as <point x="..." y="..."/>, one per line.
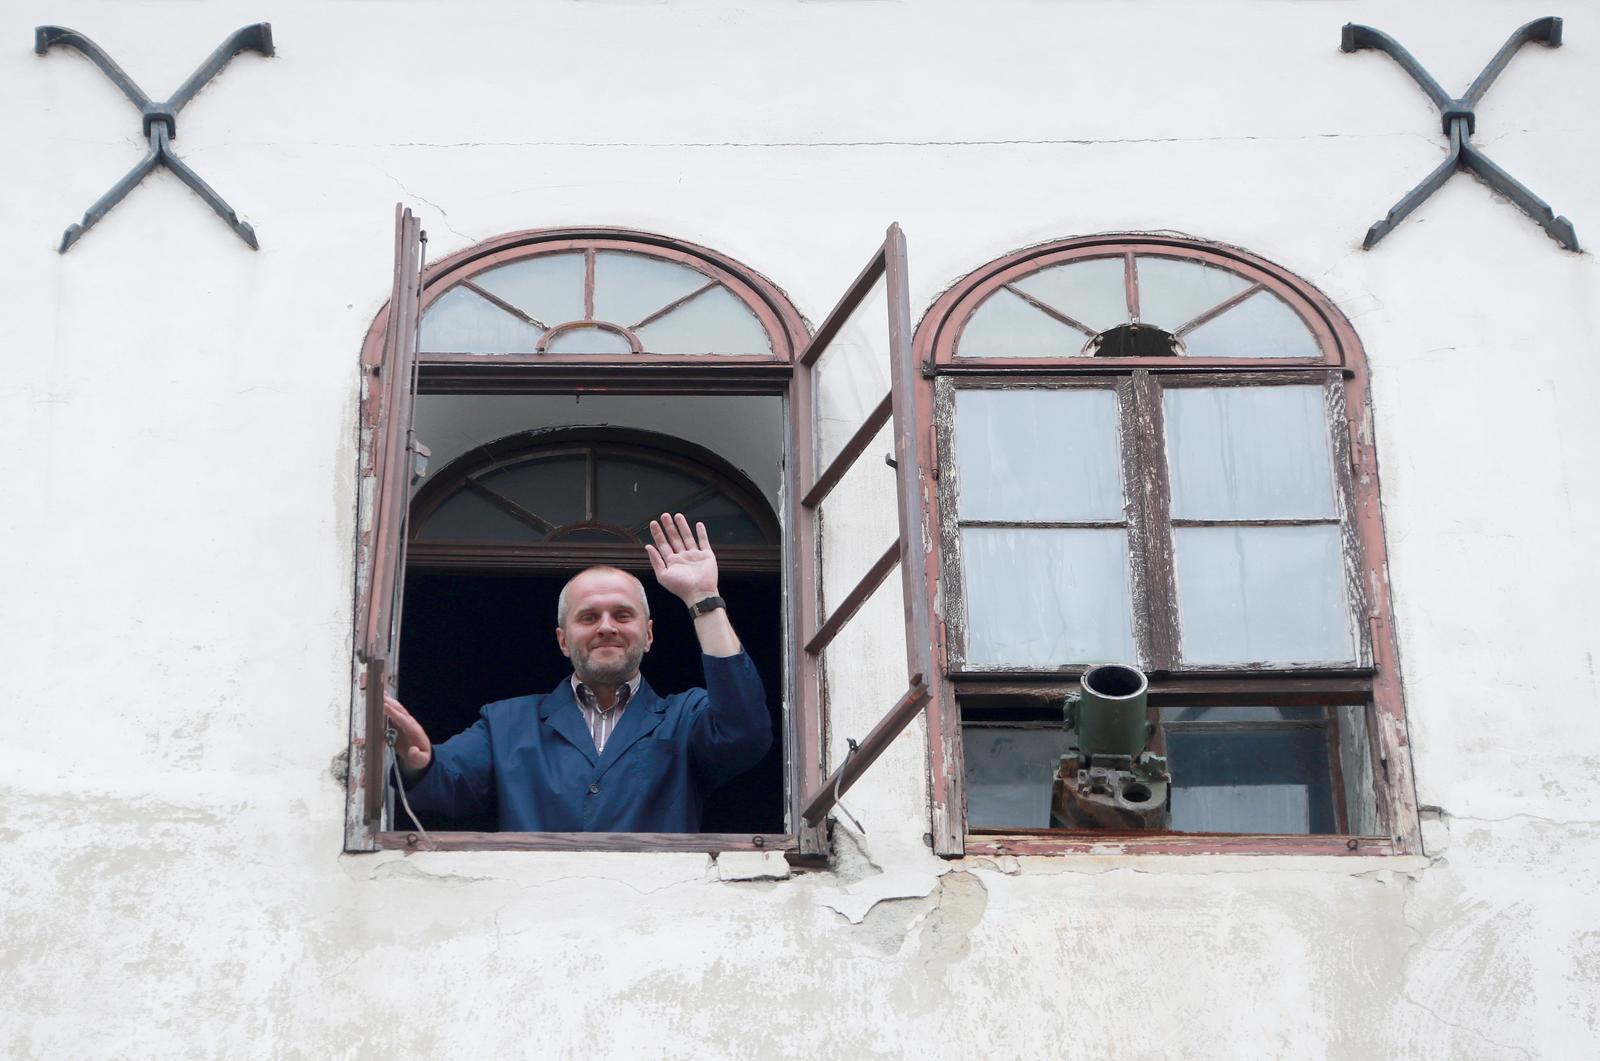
<point x="389" y="401"/>
<point x="914" y="550"/>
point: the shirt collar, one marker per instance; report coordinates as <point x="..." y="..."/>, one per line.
<point x="586" y="696"/>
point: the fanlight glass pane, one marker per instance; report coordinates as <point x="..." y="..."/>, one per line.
<point x="1241" y="713"/>
<point x="1046" y="598"/>
<point x="460" y="321"/>
<point x="1172" y="292"/>
<point x="630" y="493"/>
<point x="1262" y="595"/>
<point x="1038" y="454"/>
<point x="1248" y="452"/>
<point x="1262" y="325"/>
<point x="583" y="340"/>
<point x="1092" y="292"/>
<point x="713" y="323"/>
<point x="1251" y="781"/>
<point x="726" y="522"/>
<point x="1007" y="326"/>
<point x="467" y="517"/>
<point x="553" y="489"/>
<point x="548" y="288"/>
<point x="630" y="287"/>
<point x="1010" y="774"/>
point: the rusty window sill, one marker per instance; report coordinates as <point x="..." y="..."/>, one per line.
<point x="1063" y="842"/>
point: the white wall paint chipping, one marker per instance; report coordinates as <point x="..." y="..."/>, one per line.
<point x="179" y="416"/>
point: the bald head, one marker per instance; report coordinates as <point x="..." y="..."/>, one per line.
<point x="600" y="569"/>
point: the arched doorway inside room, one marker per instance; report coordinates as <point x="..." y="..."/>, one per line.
<point x="498" y="531"/>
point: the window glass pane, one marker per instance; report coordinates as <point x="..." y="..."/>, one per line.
<point x="1262" y="595"/>
<point x="1038" y="454"/>
<point x="630" y="287"/>
<point x="1046" y="598"/>
<point x="1172" y="293"/>
<point x="713" y="323"/>
<point x="1248" y="452"/>
<point x="726" y="522"/>
<point x="1007" y="326"/>
<point x="588" y="341"/>
<point x="1242" y="781"/>
<point x="1010" y="775"/>
<point x="1241" y="713"/>
<point x="461" y="321"/>
<point x="1262" y="325"/>
<point x="548" y="288"/>
<point x="466" y="516"/>
<point x="631" y="493"/>
<point x="552" y="489"/>
<point x="1092" y="292"/>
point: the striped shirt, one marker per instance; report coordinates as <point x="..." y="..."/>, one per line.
<point x="602" y="722"/>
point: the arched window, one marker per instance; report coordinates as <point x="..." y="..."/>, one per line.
<point x="571" y="384"/>
<point x="1153" y="451"/>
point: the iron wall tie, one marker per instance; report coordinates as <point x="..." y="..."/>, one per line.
<point x="160" y="120"/>
<point x="1459" y="120"/>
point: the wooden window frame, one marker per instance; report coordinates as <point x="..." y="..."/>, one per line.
<point x="1373" y="682"/>
<point x="381" y="524"/>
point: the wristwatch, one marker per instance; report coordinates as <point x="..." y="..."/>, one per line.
<point x="706" y="606"/>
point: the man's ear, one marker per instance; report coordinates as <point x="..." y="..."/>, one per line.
<point x="649" y="633"/>
<point x="561" y="642"/>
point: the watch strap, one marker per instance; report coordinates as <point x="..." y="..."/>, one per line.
<point x="708" y="604"/>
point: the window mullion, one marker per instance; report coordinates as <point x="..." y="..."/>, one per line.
<point x="1149" y="492"/>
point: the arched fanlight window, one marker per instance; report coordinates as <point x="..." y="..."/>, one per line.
<point x="1134" y="298"/>
<point x="600" y="293"/>
<point x="550" y="499"/>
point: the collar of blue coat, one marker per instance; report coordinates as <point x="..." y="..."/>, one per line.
<point x="560" y="712"/>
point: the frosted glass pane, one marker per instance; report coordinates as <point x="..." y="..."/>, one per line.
<point x="1248" y="452"/>
<point x="726" y="523"/>
<point x="1046" y="598"/>
<point x="1262" y="325"/>
<point x="548" y="288"/>
<point x="1241" y="713"/>
<point x="588" y="341"/>
<point x="1242" y="809"/>
<point x="1262" y="595"/>
<point x="552" y="489"/>
<point x="1093" y="292"/>
<point x="1038" y="454"/>
<point x="466" y="516"/>
<point x="1172" y="293"/>
<point x="630" y="287"/>
<point x="1007" y="326"/>
<point x="714" y="323"/>
<point x="1010" y="773"/>
<point x="463" y="322"/>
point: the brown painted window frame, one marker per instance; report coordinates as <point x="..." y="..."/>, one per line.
<point x="384" y="425"/>
<point x="1374" y="682"/>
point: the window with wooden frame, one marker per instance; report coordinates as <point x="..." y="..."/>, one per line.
<point x="1157" y="452"/>
<point x="567" y="383"/>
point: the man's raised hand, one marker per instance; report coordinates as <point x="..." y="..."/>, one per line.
<point x="412" y="748"/>
<point x="683" y="561"/>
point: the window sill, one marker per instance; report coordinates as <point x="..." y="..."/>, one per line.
<point x="1062" y="842"/>
<point x="705" y="842"/>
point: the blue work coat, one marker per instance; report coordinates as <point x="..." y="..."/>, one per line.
<point x="532" y="757"/>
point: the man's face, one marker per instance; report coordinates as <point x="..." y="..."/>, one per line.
<point x="606" y="633"/>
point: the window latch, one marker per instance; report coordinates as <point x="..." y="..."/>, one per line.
<point x="1460" y="122"/>
<point x="160" y="121"/>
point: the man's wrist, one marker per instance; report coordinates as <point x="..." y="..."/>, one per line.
<point x="705" y="604"/>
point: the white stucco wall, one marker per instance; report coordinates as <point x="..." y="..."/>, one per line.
<point x="178" y="414"/>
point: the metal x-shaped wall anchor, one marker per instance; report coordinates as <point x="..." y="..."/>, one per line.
<point x="160" y="120"/>
<point x="1459" y="124"/>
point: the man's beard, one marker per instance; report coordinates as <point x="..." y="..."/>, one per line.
<point x="592" y="672"/>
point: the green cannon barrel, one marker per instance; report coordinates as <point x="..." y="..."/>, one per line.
<point x="1110" y="712"/>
